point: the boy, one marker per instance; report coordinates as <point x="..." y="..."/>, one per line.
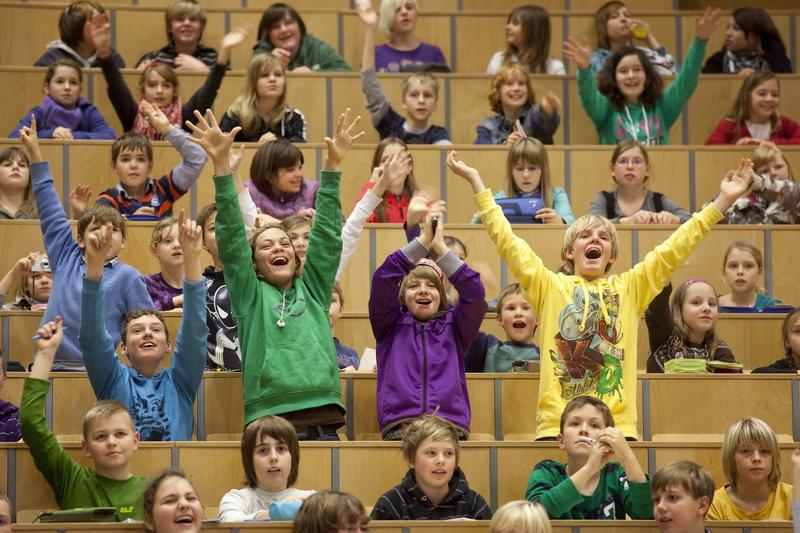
<point x="161" y="401"/>
<point x="67" y="262"/>
<point x="165" y="286"/>
<point x="682" y="495"/>
<point x="434" y="488"/>
<point x="132" y="162"/>
<point x="487" y="353"/>
<point x="589" y="486"/>
<point x="348" y="357"/>
<point x="9" y="413"/>
<point x="589" y="322"/>
<point x="109" y="439"/>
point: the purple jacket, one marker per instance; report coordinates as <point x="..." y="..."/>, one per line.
<point x="92" y="124"/>
<point x="421" y="364"/>
<point x="286" y="205"/>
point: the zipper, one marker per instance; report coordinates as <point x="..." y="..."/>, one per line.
<point x="424" y="370"/>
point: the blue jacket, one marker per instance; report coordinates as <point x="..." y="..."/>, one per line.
<point x="66" y="260"/>
<point x="91" y="126"/>
<point x="162" y="406"/>
<point x="421" y="364"/>
<point x="496" y="129"/>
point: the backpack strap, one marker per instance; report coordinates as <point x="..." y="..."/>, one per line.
<point x="658" y="201"/>
<point x="609" y="196"/>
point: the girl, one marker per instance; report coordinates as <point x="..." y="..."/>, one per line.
<point x="298" y="227"/>
<point x="616" y="28"/>
<point x="276" y="181"/>
<point x="742" y="266"/>
<point x="392" y="159"/>
<point x="271" y="462"/>
<point x="528" y="43"/>
<point x="16" y="189"/>
<point x="171" y="504"/>
<point x="512" y="98"/>
<point x="158" y="84"/>
<point x="282" y="33"/>
<point x="752" y="42"/>
<point x="331" y="512"/>
<point x="261" y="108"/>
<point x="774" y="197"/>
<point x="276" y="306"/>
<point x="64" y="114"/>
<point x="627" y="102"/>
<point x="520" y="516"/>
<point x="755" y="117"/>
<point x="528" y="172"/>
<point x="416" y="318"/>
<point x="166" y="286"/>
<point x="752" y="464"/>
<point x="790" y="335"/>
<point x="186" y="21"/>
<point x="631" y="202"/>
<point x="403" y="52"/>
<point x="35" y="283"/>
<point x="684" y="328"/>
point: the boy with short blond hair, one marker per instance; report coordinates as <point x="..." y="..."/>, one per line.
<point x="165" y="287"/>
<point x="107" y="427"/>
<point x="588" y="486"/>
<point x="682" y="495"/>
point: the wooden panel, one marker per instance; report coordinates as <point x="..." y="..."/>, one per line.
<point x="24" y="33"/>
<point x="224" y="410"/>
<point x="520" y="397"/>
<point x="783" y="264"/>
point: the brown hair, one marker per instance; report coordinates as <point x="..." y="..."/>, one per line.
<point x="601" y="18"/>
<point x="204" y="216"/>
<point x="104" y="409"/>
<point x="410" y="186"/>
<point x="786" y="327"/>
<point x="427" y="273"/>
<point x="506" y="74"/>
<point x="607" y="79"/>
<point x="139" y="313"/>
<point x="750" y="431"/>
<point x="63" y="62"/>
<point x="529" y="150"/>
<point x="158" y="231"/>
<point x="163" y="70"/>
<point x="756" y="22"/>
<point x="149" y="494"/>
<point x="28" y="209"/>
<point x="337" y="289"/>
<point x="512" y="288"/>
<point x="451" y="240"/>
<point x="428" y="426"/>
<point x="73" y="19"/>
<point x="298" y="265"/>
<point x="687" y="475"/>
<point x="273" y="15"/>
<point x="279" y="429"/>
<point x="740" y="112"/>
<point x="676" y="312"/>
<point x="624" y="146"/>
<point x="289" y="223"/>
<point x="102" y="214"/>
<point x="535" y="48"/>
<point x="131" y="142"/>
<point x="270" y="158"/>
<point x="181" y="8"/>
<point x="328" y="511"/>
<point x="578" y="402"/>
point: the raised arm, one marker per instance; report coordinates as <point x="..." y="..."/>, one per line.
<point x="594" y="103"/>
<point x="21" y="268"/>
<point x="118" y="92"/>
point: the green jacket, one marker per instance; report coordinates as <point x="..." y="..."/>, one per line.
<point x="73" y="485"/>
<point x="649" y="126"/>
<point x="284" y="369"/>
<point x="314" y="53"/>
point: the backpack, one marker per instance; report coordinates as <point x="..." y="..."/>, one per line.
<point x="658" y="201"/>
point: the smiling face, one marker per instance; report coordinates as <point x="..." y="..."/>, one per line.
<point x="157" y="90"/>
<point x="776" y="168"/>
<point x="419" y="100"/>
<point x="527" y="176"/>
<point x="617" y="25"/>
<point x="271" y="83"/>
<point x="422" y="297"/>
<point x="146" y="341"/>
<point x="272" y="463"/>
<point x="168" y="250"/>
<point x="110" y="442"/>
<point x="514" y="32"/>
<point x="289" y="180"/>
<point x="753" y="464"/>
<point x="741" y="271"/>
<point x="14" y="175"/>
<point x="517" y="318"/>
<point x="132" y="168"/>
<point x="735" y="38"/>
<point x="299" y="235"/>
<point x="434" y="464"/>
<point x="631" y="169"/>
<point x="591" y="252"/>
<point x="176" y="507"/>
<point x="764" y="100"/>
<point x="699" y="310"/>
<point x="186" y="30"/>
<point x="513" y="94"/>
<point x="630" y="77"/>
<point x="275" y="257"/>
<point x="64" y="87"/>
<point x="286" y="34"/>
<point x="405" y="18"/>
<point x="585" y="421"/>
<point x="676" y="511"/>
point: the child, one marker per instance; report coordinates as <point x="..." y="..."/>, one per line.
<point x="393" y="161"/>
<point x="685" y="328"/>
<point x="271" y="462"/>
<point x="790" y="336"/>
<point x="160" y="400"/>
<point x="277" y="185"/>
<point x="331" y="512"/>
<point x="16" y="191"/>
<point x="528" y="43"/>
<point x="158" y="83"/>
<point x="755" y="116"/>
<point x="298" y="227"/>
<point x="165" y="287"/>
<point x="9" y="417"/>
<point x="631" y="202"/>
<point x="275" y="306"/>
<point x="589" y="486"/>
<point x="752" y="464"/>
<point x="518" y="114"/>
<point x="132" y="161"/>
<point x="68" y="264"/>
<point x="171" y="504"/>
<point x="528" y="171"/>
<point x="589" y="323"/>
<point x="520" y="517"/>
<point x="109" y="440"/>
<point x="185" y="21"/>
<point x="682" y="493"/>
<point x="742" y="266"/>
<point x="261" y="109"/>
<point x="6" y="512"/>
<point x="420" y="96"/>
<point x="420" y="342"/>
<point x="35" y="283"/>
<point x="404" y="52"/>
<point x="628" y="102"/>
<point x="435" y="487"/>
<point x="616" y="28"/>
<point x="516" y="316"/>
<point x="282" y="33"/>
<point x="348" y="357"/>
<point x="65" y="115"/>
<point x="74" y="43"/>
<point x="752" y="42"/>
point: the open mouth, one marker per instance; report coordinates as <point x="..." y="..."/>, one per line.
<point x="519" y="324"/>
<point x="148" y="345"/>
<point x="593" y="252"/>
<point x="185" y="520"/>
<point x="423" y="301"/>
<point x="279" y="261"/>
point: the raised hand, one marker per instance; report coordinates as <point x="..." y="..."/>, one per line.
<point x="579" y="52"/>
<point x="30" y="139"/>
<point x="367" y="14"/>
<point x="233" y="38"/>
<point x="155" y="117"/>
<point x="213" y="140"/>
<point x="470" y="174"/>
<point x="23" y="265"/>
<point x="99" y="34"/>
<point x="734" y="184"/>
<point x="97" y="246"/>
<point x="49" y="338"/>
<point x="397" y="167"/>
<point x="421" y="204"/>
<point x="190" y="237"/>
<point x="235" y="158"/>
<point x="550" y="103"/>
<point x="343" y="139"/>
<point x="79" y="198"/>
<point x="705" y="25"/>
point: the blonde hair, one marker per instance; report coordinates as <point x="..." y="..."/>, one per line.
<point x="529" y="150"/>
<point x="676" y="313"/>
<point x="520" y="516"/>
<point x="158" y="231"/>
<point x="506" y="74"/>
<point x="765" y="153"/>
<point x="104" y="409"/>
<point x="755" y="432"/>
<point x="421" y="78"/>
<point x="428" y="426"/>
<point x="181" y="8"/>
<point x="583" y="223"/>
<point x="245" y="105"/>
<point x="387" y="10"/>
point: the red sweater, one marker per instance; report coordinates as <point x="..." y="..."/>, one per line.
<point x="395" y="207"/>
<point x="726" y="132"/>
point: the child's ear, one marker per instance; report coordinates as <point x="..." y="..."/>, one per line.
<point x="569" y="254"/>
<point x="79" y="240"/>
<point x="85" y="447"/>
<point x="560" y="441"/>
<point x="168" y="347"/>
<point x="703" y="505"/>
<point x="136" y="440"/>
